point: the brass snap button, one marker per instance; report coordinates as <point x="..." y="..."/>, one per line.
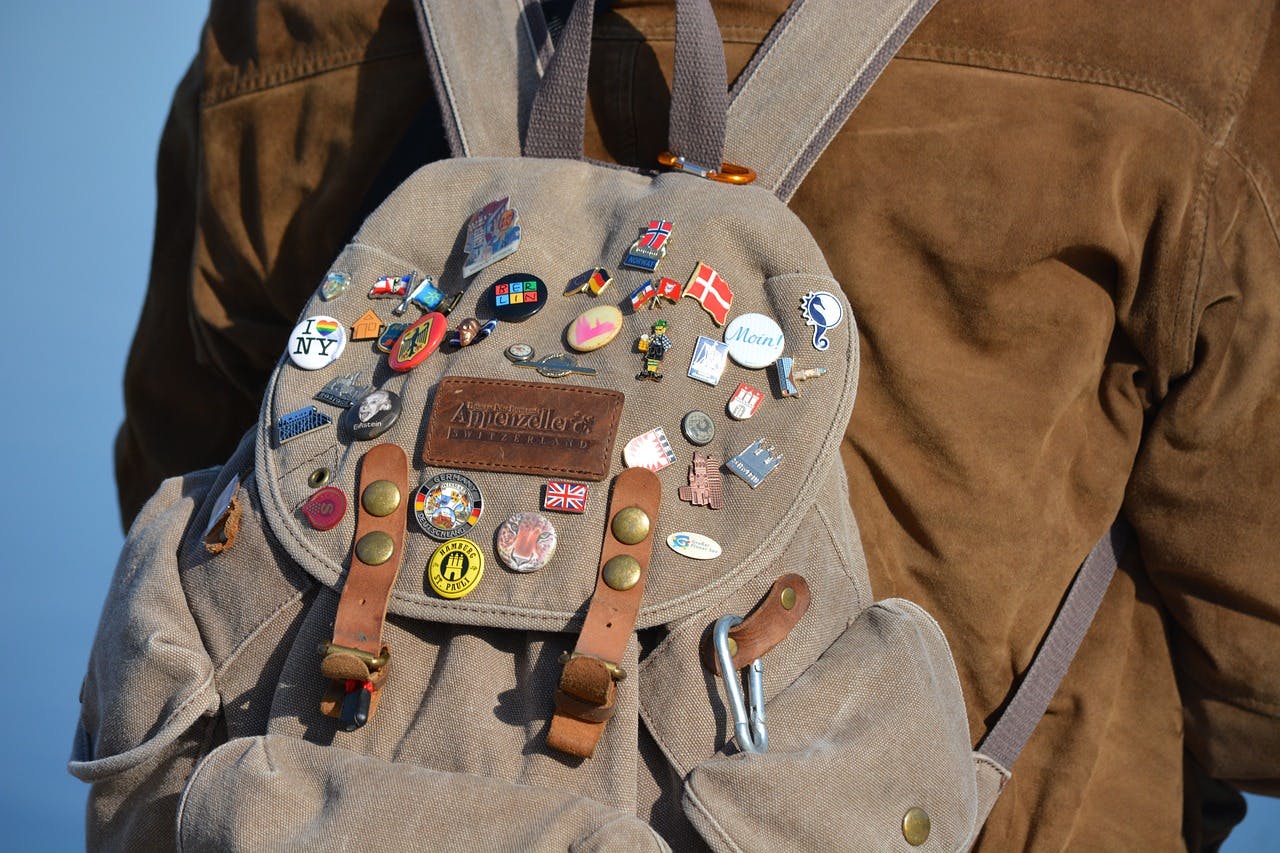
<point x="915" y="826"/>
<point x="630" y="526"/>
<point x="375" y="548"/>
<point x="622" y="572"/>
<point x="380" y="498"/>
<point x="788" y="598"/>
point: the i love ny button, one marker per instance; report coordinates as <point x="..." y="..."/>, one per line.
<point x="317" y="342"/>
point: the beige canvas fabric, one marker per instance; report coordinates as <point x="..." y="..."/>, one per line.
<point x="865" y="714"/>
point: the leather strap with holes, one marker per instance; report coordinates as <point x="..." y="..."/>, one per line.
<point x="585" y="698"/>
<point x="769" y="624"/>
<point x="357" y="652"/>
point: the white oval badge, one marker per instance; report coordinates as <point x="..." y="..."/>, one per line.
<point x="754" y="340"/>
<point x="694" y="545"/>
<point x="317" y="342"/>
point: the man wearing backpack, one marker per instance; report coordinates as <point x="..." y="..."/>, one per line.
<point x="1056" y="236"/>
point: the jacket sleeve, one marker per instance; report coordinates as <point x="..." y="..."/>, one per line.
<point x="291" y="125"/>
<point x="1205" y="493"/>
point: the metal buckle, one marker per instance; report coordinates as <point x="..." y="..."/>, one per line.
<point x="748" y="725"/>
<point x="374" y="662"/>
<point x="616" y="672"/>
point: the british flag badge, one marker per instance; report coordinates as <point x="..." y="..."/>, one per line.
<point x="649" y="450"/>
<point x="651" y="248"/>
<point x="565" y="497"/>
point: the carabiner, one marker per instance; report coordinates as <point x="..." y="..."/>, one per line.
<point x="748" y="725"/>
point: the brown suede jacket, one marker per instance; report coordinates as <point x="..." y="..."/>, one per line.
<point x="1056" y="224"/>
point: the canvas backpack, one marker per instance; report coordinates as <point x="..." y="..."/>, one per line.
<point x="553" y="630"/>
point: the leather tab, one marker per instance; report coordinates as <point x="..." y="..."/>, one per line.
<point x="362" y="607"/>
<point x="768" y="625"/>
<point x="588" y="686"/>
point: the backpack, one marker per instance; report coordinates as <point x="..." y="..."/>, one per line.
<point x="534" y="548"/>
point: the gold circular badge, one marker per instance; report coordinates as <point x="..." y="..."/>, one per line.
<point x="455" y="568"/>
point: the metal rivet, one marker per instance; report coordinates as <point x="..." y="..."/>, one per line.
<point x="375" y="548"/>
<point x="915" y="826"/>
<point x="622" y="572"/>
<point x="788" y="598"/>
<point x="630" y="526"/>
<point x="319" y="477"/>
<point x="380" y="498"/>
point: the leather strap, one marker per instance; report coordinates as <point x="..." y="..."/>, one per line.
<point x="768" y="625"/>
<point x="357" y="652"/>
<point x="585" y="698"/>
<point x="1009" y="735"/>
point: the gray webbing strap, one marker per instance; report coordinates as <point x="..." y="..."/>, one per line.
<point x="699" y="97"/>
<point x="486" y="59"/>
<point x="806" y="79"/>
<point x="1010" y="734"/>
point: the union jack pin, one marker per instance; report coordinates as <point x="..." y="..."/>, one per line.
<point x="565" y="497"/>
<point x="651" y="248"/>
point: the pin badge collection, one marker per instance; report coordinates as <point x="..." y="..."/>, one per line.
<point x="447" y="506"/>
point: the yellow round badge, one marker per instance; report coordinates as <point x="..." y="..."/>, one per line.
<point x="455" y="568"/>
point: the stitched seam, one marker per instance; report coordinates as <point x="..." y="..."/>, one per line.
<point x="272" y="76"/>
<point x="243" y="644"/>
<point x="1189" y="304"/>
<point x="1059" y="69"/>
<point x="1260" y="181"/>
<point x="692" y="796"/>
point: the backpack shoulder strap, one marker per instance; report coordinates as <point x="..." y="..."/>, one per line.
<point x="806" y="79"/>
<point x="474" y="49"/>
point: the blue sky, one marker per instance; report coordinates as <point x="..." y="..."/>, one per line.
<point x="84" y="88"/>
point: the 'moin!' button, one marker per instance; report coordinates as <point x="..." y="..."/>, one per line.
<point x="455" y="568"/>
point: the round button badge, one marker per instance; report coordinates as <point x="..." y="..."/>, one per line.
<point x="594" y="328"/>
<point x="754" y="340"/>
<point x="698" y="428"/>
<point x="526" y="541"/>
<point x="517" y="297"/>
<point x="447" y="506"/>
<point x="317" y="342"/>
<point x="373" y="414"/>
<point x="417" y="342"/>
<point x="455" y="568"/>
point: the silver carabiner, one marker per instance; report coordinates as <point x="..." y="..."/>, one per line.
<point x="747" y="725"/>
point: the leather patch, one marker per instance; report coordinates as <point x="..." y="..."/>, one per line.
<point x="522" y="427"/>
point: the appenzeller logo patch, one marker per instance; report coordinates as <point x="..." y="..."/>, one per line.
<point x="522" y="427"/>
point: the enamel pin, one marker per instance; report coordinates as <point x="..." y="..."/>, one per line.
<point x="755" y="463"/>
<point x="654" y="345"/>
<point x="704" y="487"/>
<point x="745" y="402"/>
<point x="391" y="287"/>
<point x="342" y="391"/>
<point x="709" y="359"/>
<point x="649" y="450"/>
<point x="646" y="253"/>
<point x="425" y="295"/>
<point x="788" y="376"/>
<point x="563" y="496"/>
<point x="594" y="281"/>
<point x="492" y="234"/>
<point x="390" y="335"/>
<point x="300" y="422"/>
<point x="823" y="311"/>
<point x="711" y="290"/>
<point x="447" y="506"/>
<point x="367" y="327"/>
<point x="334" y="285"/>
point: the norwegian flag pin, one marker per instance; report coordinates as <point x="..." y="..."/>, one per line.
<point x="651" y="248"/>
<point x="562" y="496"/>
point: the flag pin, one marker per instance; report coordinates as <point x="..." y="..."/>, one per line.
<point x="646" y="252"/>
